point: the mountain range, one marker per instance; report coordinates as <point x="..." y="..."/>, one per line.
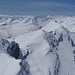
<point x="37" y="45"/>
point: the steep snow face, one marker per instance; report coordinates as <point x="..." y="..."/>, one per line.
<point x="65" y="51"/>
<point x="51" y="26"/>
<point x="42" y="59"/>
<point x="50" y="53"/>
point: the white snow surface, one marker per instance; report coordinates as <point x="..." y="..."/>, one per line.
<point x="40" y="63"/>
<point x="8" y="65"/>
<point x="39" y="36"/>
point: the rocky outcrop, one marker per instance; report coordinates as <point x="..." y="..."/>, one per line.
<point x="4" y="45"/>
<point x="52" y="41"/>
<point x="25" y="68"/>
<point x="13" y="49"/>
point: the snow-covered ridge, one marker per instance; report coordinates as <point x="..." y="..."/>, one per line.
<point x="49" y="52"/>
<point x="26" y="24"/>
<point x="37" y="45"/>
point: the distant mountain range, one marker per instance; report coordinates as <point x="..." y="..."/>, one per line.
<point x="37" y="45"/>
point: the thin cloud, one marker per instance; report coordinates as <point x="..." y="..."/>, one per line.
<point x="44" y="3"/>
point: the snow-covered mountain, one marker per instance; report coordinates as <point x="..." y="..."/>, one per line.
<point x="37" y="45"/>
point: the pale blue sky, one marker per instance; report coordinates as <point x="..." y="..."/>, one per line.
<point x="38" y="7"/>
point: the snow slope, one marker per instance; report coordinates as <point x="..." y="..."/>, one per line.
<point x="48" y="54"/>
<point x="8" y="66"/>
<point x="40" y="61"/>
<point x="47" y="45"/>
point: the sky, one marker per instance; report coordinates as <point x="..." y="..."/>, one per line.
<point x="37" y="7"/>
